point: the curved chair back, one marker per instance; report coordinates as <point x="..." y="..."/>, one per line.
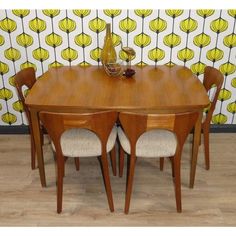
<point x="101" y="123"/>
<point x="212" y="76"/>
<point x="135" y="125"/>
<point x="25" y="77"/>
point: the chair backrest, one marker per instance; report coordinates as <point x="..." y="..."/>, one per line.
<point x="212" y="76"/>
<point x="25" y="77"/>
<point x="101" y="123"/>
<point x="135" y="125"/>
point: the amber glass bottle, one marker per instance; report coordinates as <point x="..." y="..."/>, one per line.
<point x="108" y="54"/>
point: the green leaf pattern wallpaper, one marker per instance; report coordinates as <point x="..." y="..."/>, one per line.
<point x="51" y="38"/>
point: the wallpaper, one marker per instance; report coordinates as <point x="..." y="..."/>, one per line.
<point x="50" y="38"/>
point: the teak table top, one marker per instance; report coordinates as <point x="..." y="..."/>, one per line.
<point x="160" y="88"/>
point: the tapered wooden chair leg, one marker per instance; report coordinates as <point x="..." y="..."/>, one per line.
<point x="33" y="153"/>
<point x="161" y="163"/>
<point x="206" y="146"/>
<point x="77" y="163"/>
<point x="200" y="138"/>
<point x="65" y="159"/>
<point x="113" y="160"/>
<point x="100" y="163"/>
<point x="60" y="172"/>
<point x="107" y="183"/>
<point x="121" y="161"/>
<point x="177" y="182"/>
<point x="129" y="183"/>
<point x="41" y="136"/>
<point x="172" y="166"/>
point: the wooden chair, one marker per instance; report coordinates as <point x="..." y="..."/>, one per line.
<point x="26" y="77"/>
<point x="159" y="135"/>
<point x="212" y="77"/>
<point x="81" y="135"/>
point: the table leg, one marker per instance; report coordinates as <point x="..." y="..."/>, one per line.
<point x="196" y="140"/>
<point x="38" y="145"/>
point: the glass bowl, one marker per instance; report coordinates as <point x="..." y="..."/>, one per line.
<point x="114" y="69"/>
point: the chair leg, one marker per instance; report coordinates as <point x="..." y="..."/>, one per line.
<point x="177" y="182"/>
<point x="121" y="161"/>
<point x="127" y="170"/>
<point x="172" y="166"/>
<point x="200" y="139"/>
<point x="65" y="159"/>
<point x="60" y="175"/>
<point x="56" y="169"/>
<point x="33" y="152"/>
<point x="100" y="163"/>
<point x="107" y="183"/>
<point x="41" y="136"/>
<point x="206" y="146"/>
<point x="113" y="160"/>
<point x="195" y="146"/>
<point x="56" y="161"/>
<point x="77" y="163"/>
<point x="129" y="183"/>
<point x="161" y="163"/>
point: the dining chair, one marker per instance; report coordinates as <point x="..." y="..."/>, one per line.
<point x="26" y="77"/>
<point x="153" y="136"/>
<point x="212" y="77"/>
<point x="83" y="135"/>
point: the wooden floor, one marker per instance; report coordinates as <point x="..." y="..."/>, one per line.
<point x="23" y="202"/>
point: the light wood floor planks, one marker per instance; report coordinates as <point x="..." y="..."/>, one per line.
<point x="23" y="202"/>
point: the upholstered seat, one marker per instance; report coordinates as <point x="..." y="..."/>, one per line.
<point x="84" y="143"/>
<point x="153" y="143"/>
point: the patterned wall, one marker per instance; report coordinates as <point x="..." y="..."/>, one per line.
<point x="48" y="38"/>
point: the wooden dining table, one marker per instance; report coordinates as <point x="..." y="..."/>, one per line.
<point x="153" y="89"/>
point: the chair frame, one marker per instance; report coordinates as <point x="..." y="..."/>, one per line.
<point x="134" y="125"/>
<point x="212" y="76"/>
<point x="101" y="123"/>
<point x="26" y="77"/>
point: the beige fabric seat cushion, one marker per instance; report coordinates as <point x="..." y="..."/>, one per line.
<point x="154" y="143"/>
<point x="84" y="143"/>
